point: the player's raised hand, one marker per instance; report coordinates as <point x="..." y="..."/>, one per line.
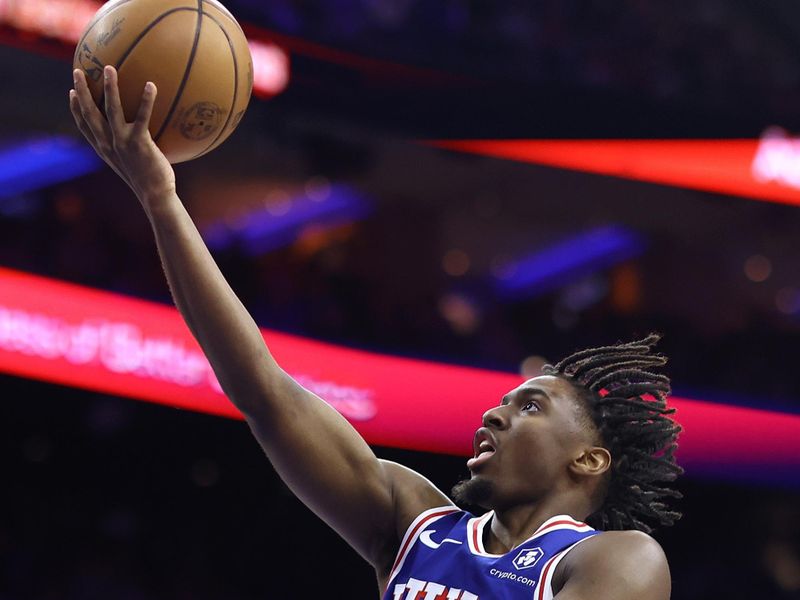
<point x="128" y="148"/>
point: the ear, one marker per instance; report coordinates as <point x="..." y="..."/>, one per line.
<point x="591" y="461"/>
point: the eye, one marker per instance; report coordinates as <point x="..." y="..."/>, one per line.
<point x="532" y="405"/>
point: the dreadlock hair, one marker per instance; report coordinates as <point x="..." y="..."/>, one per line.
<point x="626" y="401"/>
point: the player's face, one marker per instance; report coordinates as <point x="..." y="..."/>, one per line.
<point x="527" y="443"/>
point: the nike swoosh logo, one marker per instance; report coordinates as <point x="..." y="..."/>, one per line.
<point x="425" y="538"/>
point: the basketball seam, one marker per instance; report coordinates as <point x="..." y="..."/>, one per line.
<point x="186" y="72"/>
<point x="95" y="20"/>
<point x="224" y="12"/>
<point x="139" y="38"/>
<point x="235" y="85"/>
<point x="147" y="30"/>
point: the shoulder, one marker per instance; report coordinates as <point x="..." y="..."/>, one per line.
<point x="615" y="564"/>
<point x="618" y="548"/>
<point x="412" y="494"/>
<point x="416" y="492"/>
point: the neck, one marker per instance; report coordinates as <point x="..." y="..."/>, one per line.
<point x="511" y="526"/>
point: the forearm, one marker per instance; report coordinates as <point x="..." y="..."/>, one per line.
<point x="224" y="329"/>
<point x="316" y="451"/>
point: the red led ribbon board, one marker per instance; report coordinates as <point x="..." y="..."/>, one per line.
<point x="765" y="169"/>
<point x="67" y="334"/>
<point x="86" y="338"/>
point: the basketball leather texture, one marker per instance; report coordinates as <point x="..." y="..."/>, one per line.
<point x="193" y="50"/>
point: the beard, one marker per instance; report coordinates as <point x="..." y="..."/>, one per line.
<point x="475" y="492"/>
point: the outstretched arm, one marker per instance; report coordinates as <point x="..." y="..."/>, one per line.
<point x="315" y="450"/>
<point x="616" y="565"/>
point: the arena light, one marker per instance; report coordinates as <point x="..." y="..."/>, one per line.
<point x="270" y="68"/>
<point x="279" y="222"/>
<point x="119" y="345"/>
<point x="763" y="169"/>
<point x="63" y="20"/>
<point x="566" y="260"/>
<point x="39" y="162"/>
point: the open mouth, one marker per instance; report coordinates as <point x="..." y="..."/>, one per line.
<point x="484" y="450"/>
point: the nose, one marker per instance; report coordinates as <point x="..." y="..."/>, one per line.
<point x="494" y="418"/>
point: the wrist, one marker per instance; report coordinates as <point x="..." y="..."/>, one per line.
<point x="155" y="201"/>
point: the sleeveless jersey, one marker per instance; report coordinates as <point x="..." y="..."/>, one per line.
<point x="442" y="557"/>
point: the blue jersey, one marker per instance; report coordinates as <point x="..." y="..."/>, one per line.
<point x="442" y="558"/>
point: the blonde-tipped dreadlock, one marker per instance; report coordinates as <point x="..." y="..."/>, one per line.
<point x="627" y="403"/>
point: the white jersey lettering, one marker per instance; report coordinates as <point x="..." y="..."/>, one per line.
<point x="415" y="588"/>
<point x="433" y="590"/>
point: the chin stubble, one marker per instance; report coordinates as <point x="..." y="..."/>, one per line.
<point x="474" y="492"/>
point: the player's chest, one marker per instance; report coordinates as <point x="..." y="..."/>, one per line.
<point x="448" y="569"/>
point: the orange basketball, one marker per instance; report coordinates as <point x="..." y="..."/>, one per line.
<point x="196" y="54"/>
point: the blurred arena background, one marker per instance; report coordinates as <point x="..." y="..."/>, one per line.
<point x="341" y="212"/>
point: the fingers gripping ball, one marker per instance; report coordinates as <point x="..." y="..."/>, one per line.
<point x="196" y="54"/>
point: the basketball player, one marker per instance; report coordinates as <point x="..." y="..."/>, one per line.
<point x="587" y="442"/>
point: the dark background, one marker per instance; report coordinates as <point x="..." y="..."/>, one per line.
<point x="109" y="498"/>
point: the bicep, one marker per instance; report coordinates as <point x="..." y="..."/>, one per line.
<point x="331" y="469"/>
<point x="629" y="566"/>
<point x="412" y="494"/>
<point x="327" y="465"/>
